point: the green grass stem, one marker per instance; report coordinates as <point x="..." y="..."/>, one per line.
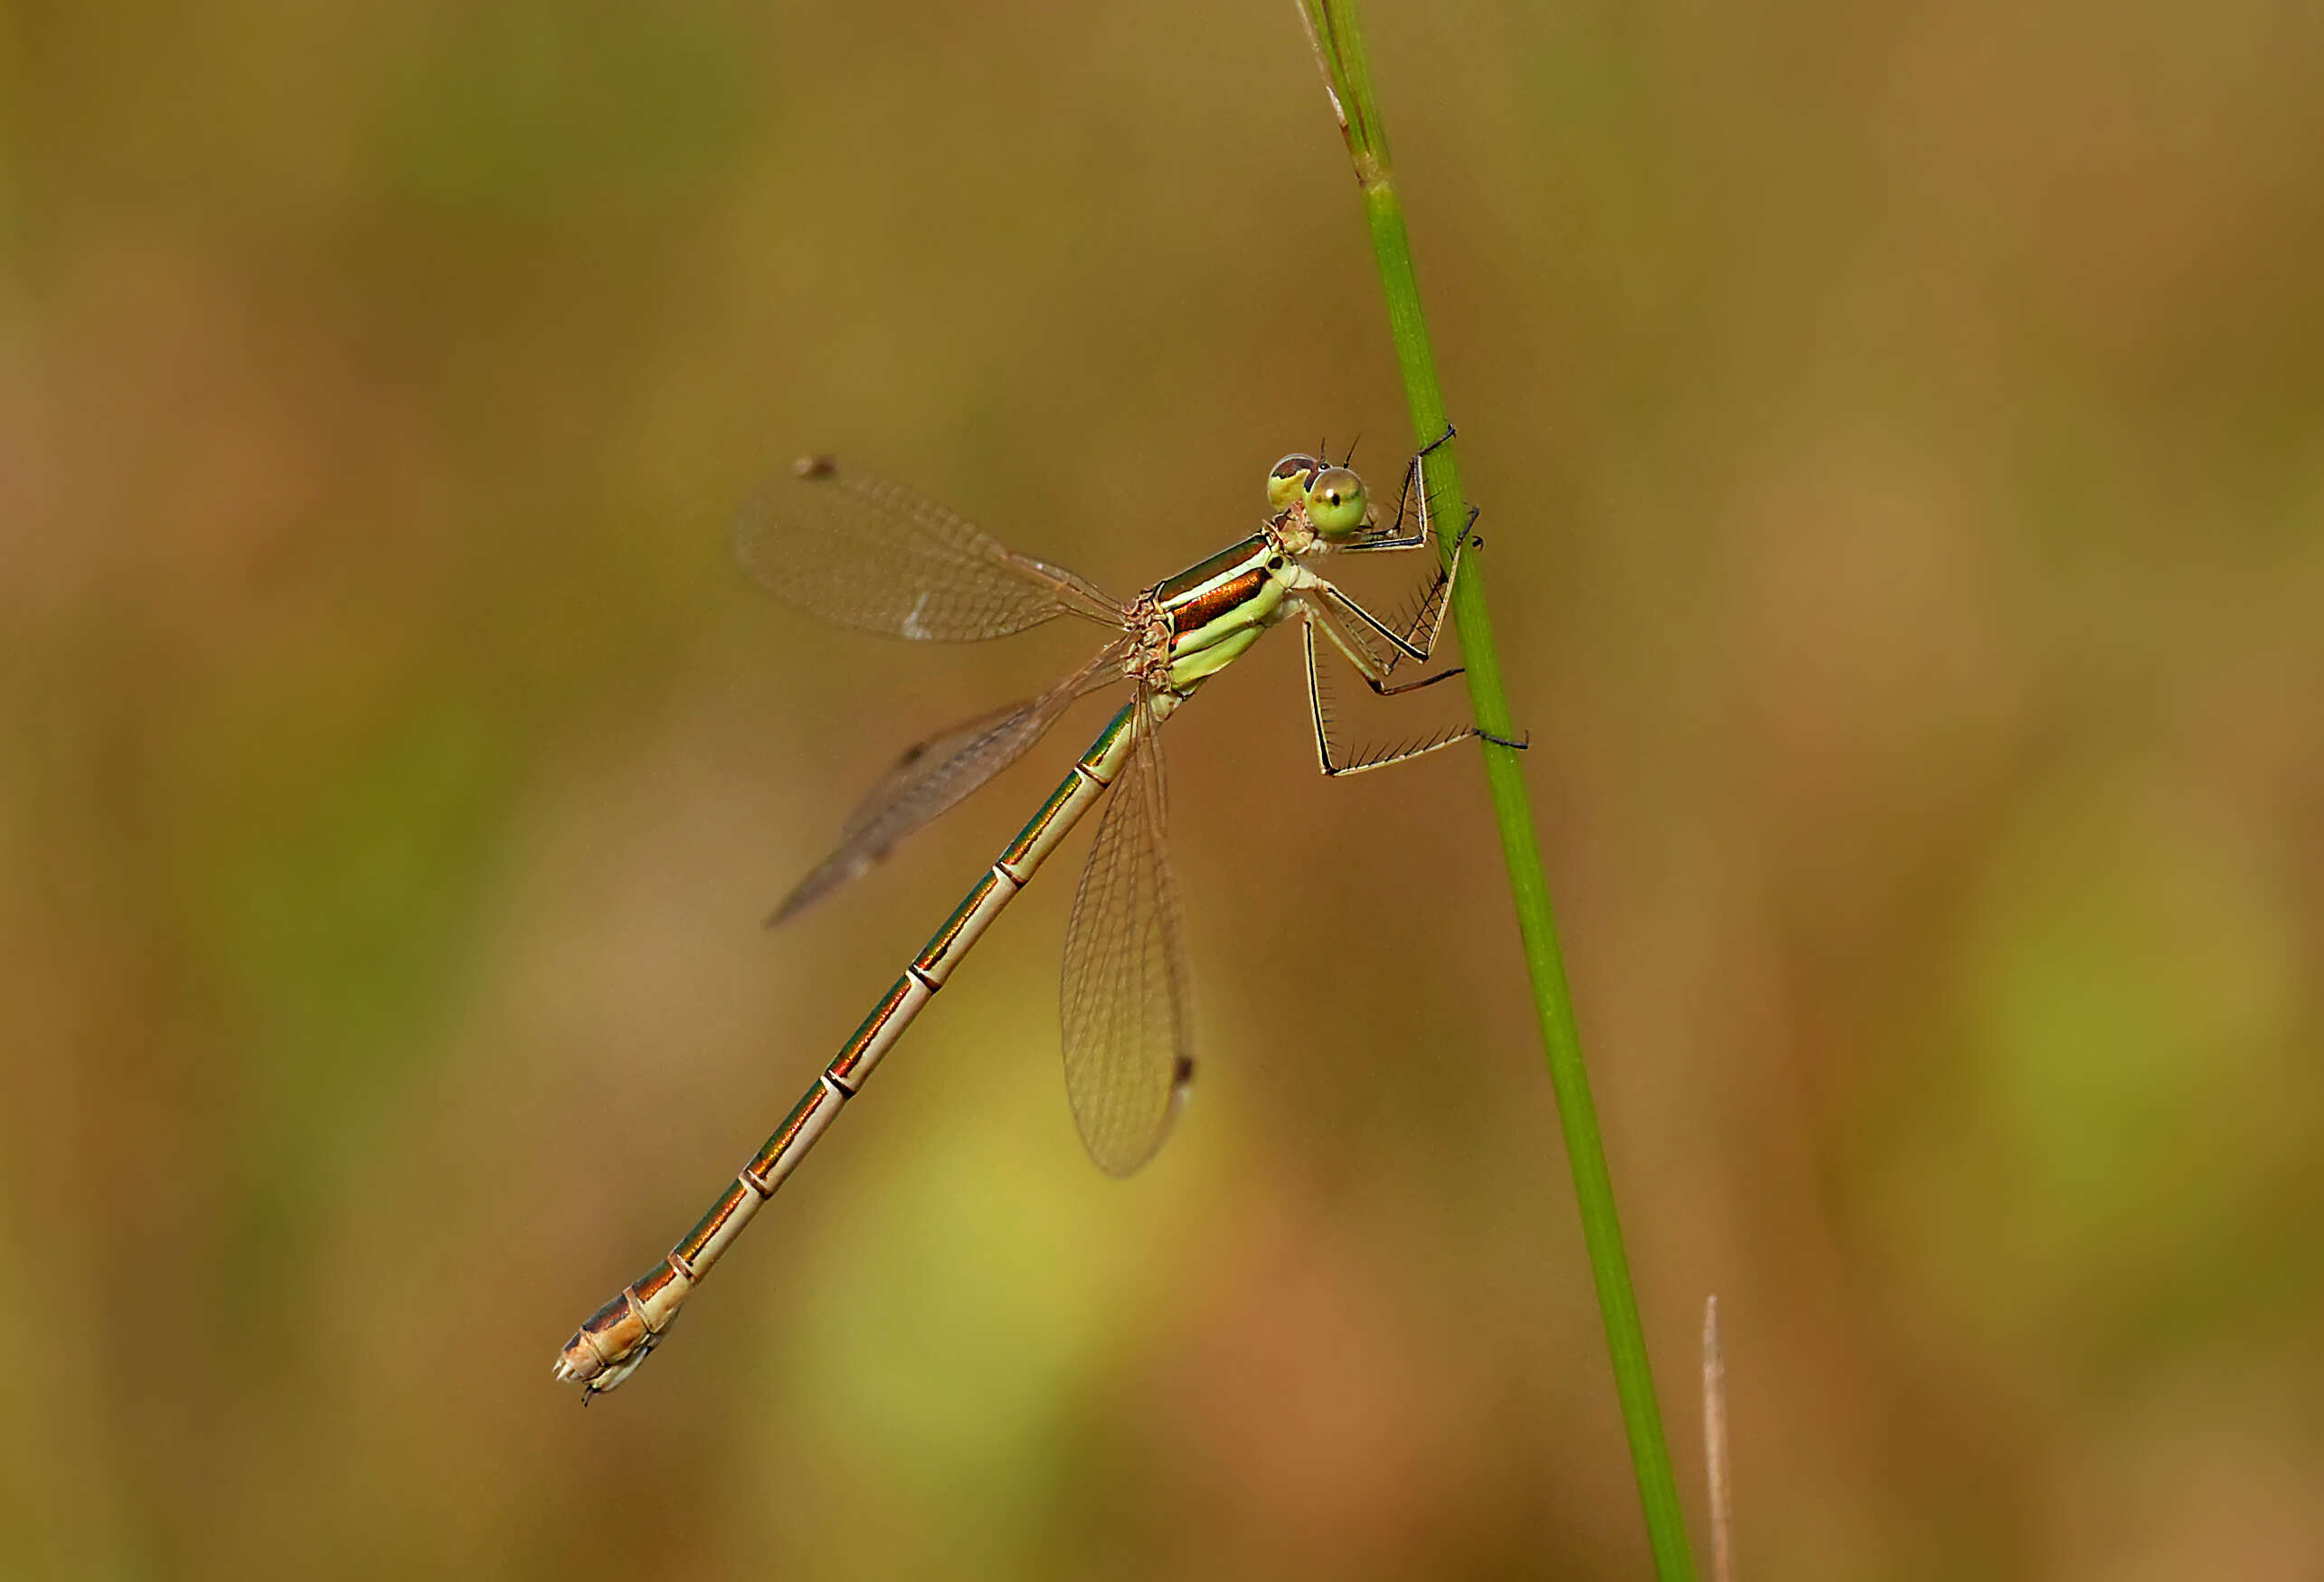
<point x="1333" y="28"/>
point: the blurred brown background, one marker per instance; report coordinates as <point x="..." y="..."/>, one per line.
<point x="1901" y="435"/>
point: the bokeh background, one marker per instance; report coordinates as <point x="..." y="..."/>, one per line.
<point x="1901" y="435"/>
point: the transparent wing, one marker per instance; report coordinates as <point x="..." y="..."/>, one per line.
<point x="853" y="548"/>
<point x="1127" y="1031"/>
<point x="935" y="774"/>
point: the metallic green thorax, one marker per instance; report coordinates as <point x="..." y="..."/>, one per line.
<point x="1218" y="607"/>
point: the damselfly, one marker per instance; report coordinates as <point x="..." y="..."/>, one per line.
<point x="864" y="553"/>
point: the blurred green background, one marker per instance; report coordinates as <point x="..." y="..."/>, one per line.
<point x="1901" y="432"/>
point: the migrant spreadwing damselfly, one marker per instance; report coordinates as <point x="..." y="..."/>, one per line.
<point x="861" y="552"/>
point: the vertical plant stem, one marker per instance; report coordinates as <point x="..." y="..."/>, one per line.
<point x="1334" y="29"/>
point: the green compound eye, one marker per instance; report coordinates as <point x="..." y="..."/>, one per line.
<point x="1336" y="502"/>
<point x="1286" y="482"/>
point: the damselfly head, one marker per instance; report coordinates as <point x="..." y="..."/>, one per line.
<point x="1330" y="499"/>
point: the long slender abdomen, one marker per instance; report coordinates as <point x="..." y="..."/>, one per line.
<point x="620" y="1335"/>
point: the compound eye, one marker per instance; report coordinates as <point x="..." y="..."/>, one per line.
<point x="1336" y="502"/>
<point x="1287" y="483"/>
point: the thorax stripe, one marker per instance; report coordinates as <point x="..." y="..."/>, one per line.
<point x="1226" y="565"/>
<point x="1216" y="600"/>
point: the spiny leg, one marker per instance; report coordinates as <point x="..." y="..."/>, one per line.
<point x="1319" y="716"/>
<point x="1345" y="621"/>
<point x="1395" y="537"/>
<point x="1348" y="621"/>
<point x="1417" y="638"/>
